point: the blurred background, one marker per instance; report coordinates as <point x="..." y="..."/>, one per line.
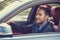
<point x="6" y="5"/>
<point x="21" y="16"/>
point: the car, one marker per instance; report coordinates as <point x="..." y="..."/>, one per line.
<point x="17" y="7"/>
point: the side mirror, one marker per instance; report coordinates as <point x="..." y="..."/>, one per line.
<point x="5" y="30"/>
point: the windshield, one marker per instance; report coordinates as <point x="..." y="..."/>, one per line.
<point x="8" y="6"/>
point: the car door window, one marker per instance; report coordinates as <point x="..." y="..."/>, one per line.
<point x="21" y="16"/>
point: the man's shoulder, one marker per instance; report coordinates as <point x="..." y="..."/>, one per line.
<point x="50" y="24"/>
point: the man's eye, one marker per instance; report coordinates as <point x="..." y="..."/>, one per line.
<point x="40" y="14"/>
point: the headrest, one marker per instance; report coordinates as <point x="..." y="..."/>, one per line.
<point x="55" y="11"/>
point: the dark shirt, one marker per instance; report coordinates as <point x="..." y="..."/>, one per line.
<point x="45" y="27"/>
<point x="36" y="29"/>
<point x="33" y="28"/>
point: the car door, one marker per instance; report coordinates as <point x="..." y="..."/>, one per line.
<point x="47" y="36"/>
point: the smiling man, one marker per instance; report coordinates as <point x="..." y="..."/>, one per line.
<point x="41" y="20"/>
<point x="41" y="23"/>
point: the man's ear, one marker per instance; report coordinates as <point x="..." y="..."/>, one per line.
<point x="46" y="17"/>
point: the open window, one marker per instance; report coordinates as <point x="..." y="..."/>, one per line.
<point x="27" y="16"/>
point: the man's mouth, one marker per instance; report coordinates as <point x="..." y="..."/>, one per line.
<point x="37" y="20"/>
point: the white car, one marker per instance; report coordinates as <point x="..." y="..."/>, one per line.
<point x="14" y="12"/>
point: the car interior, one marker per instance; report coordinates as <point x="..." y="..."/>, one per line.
<point x="55" y="12"/>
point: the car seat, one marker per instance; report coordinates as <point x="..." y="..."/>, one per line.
<point x="55" y="11"/>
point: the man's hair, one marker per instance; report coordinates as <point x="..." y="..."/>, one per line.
<point x="46" y="9"/>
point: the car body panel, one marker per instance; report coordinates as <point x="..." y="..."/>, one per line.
<point x="40" y="36"/>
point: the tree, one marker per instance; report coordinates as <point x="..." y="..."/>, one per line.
<point x="4" y="3"/>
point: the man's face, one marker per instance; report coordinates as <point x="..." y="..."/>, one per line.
<point x="40" y="16"/>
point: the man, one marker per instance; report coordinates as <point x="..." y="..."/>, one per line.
<point x="41" y="23"/>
